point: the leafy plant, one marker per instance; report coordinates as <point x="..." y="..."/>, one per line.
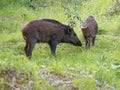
<point x="72" y="13"/>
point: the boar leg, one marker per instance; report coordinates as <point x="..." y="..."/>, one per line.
<point x="29" y="47"/>
<point x="88" y="43"/>
<point x="26" y="46"/>
<point x="93" y="40"/>
<point x="53" y="45"/>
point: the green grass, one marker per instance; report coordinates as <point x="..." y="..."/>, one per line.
<point x="84" y="67"/>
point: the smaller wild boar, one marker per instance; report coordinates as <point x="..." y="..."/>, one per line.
<point x="89" y="29"/>
<point x="48" y="31"/>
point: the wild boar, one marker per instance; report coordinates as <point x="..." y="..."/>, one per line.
<point x="89" y="29"/>
<point x="48" y="31"/>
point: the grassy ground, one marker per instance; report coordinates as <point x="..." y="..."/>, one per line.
<point x="74" y="68"/>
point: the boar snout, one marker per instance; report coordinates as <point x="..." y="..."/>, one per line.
<point x="76" y="42"/>
<point x="79" y="43"/>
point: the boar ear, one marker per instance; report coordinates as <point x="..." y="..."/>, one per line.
<point x="68" y="30"/>
<point x="84" y="28"/>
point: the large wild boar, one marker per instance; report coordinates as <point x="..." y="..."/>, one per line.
<point x="89" y="29"/>
<point x="49" y="31"/>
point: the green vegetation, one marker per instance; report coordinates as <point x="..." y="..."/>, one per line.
<point x="74" y="68"/>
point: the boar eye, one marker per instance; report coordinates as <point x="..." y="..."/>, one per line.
<point x="74" y="34"/>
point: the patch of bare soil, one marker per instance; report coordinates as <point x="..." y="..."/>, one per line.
<point x="57" y="79"/>
<point x="21" y="81"/>
<point x="16" y="82"/>
<point x="63" y="81"/>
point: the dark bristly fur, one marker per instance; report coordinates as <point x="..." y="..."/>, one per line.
<point x="89" y="29"/>
<point x="49" y="31"/>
